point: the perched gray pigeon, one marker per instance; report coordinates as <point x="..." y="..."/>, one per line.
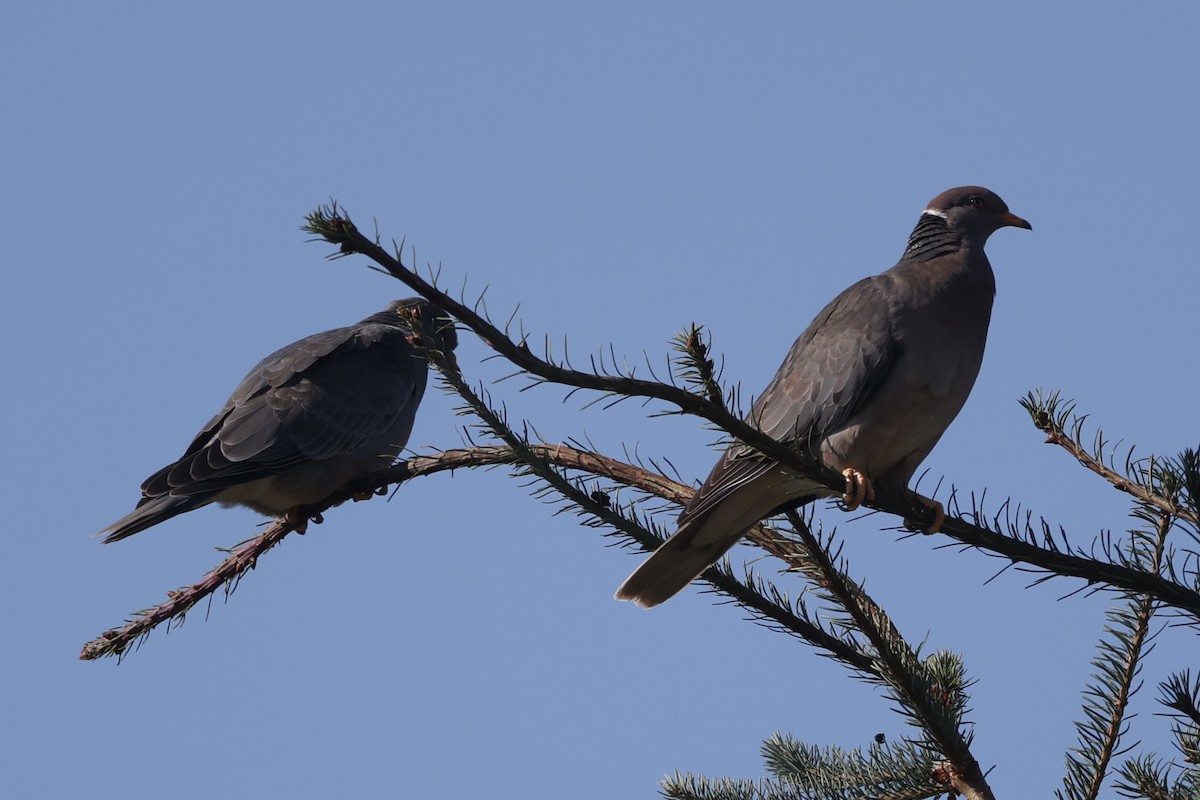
<point x="869" y="387"/>
<point x="307" y="419"/>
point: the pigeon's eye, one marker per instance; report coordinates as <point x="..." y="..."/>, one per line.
<point x="975" y="203"/>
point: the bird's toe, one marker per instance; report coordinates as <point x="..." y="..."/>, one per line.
<point x="930" y="507"/>
<point x="858" y="489"/>
<point x="298" y="518"/>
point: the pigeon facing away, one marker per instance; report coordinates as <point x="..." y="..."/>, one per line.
<point x="308" y="419"/>
<point x="869" y="388"/>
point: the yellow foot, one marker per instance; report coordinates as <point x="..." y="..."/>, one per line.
<point x="933" y="507"/>
<point x="858" y="489"/>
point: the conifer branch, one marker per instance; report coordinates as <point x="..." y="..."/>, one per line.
<point x="882" y="771"/>
<point x="332" y="224"/>
<point x="1171" y="488"/>
<point x="1150" y="777"/>
<point x="244" y="557"/>
<point x="1180" y="694"/>
<point x="930" y="692"/>
<point x="774" y="609"/>
<point x="696" y="366"/>
<point x="1118" y="661"/>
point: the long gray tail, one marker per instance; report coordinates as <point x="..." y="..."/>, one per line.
<point x="152" y="511"/>
<point x="677" y="562"/>
<point x="702" y="539"/>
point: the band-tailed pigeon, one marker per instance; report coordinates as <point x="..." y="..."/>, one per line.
<point x="869" y="387"/>
<point x="308" y="418"/>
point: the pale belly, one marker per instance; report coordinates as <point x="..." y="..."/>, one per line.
<point x="905" y="418"/>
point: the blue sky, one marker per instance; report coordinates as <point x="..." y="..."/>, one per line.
<point x="618" y="172"/>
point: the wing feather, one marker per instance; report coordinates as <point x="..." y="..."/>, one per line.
<point x="830" y="372"/>
<point x="323" y="396"/>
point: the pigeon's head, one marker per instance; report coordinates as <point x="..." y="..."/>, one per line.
<point x="433" y="326"/>
<point x="974" y="211"/>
